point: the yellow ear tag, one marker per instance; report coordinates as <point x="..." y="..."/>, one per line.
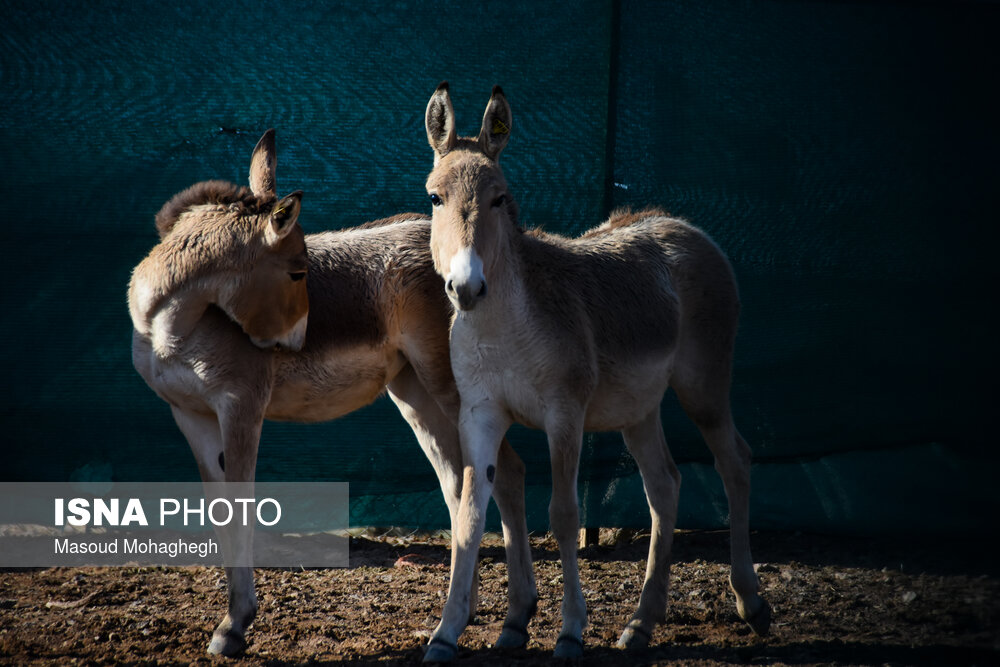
<point x="499" y="127"/>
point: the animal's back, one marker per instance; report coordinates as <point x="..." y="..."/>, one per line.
<point x="635" y="280"/>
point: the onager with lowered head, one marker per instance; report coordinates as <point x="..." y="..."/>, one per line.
<point x="574" y="335"/>
<point x="239" y="317"/>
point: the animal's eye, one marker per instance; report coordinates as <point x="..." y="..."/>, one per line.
<point x="296" y="276"/>
<point x="499" y="201"/>
<point x="435" y="200"/>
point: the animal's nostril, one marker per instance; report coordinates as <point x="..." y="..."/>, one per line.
<point x="482" y="291"/>
<point x="449" y="287"/>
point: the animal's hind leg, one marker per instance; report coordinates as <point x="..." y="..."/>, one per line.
<point x="522" y="593"/>
<point x="732" y="461"/>
<point x="204" y="435"/>
<point x="661" y="480"/>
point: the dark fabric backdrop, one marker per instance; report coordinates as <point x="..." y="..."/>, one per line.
<point x="843" y="153"/>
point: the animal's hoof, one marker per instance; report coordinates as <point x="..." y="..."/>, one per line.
<point x="568" y="648"/>
<point x="439" y="650"/>
<point x="230" y="643"/>
<point x="634" y="638"/>
<point x="512" y="637"/>
<point x="760" y="620"/>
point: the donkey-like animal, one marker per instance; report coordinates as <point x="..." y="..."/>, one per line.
<point x="239" y="317"/>
<point x="574" y="335"/>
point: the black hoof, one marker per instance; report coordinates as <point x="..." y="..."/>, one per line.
<point x="760" y="620"/>
<point x="439" y="650"/>
<point x="512" y="637"/>
<point x="568" y="648"/>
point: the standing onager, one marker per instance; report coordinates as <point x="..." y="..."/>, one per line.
<point x="568" y="335"/>
<point x="233" y="277"/>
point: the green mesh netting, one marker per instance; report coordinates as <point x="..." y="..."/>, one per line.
<point x="843" y="154"/>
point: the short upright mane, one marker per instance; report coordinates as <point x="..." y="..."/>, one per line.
<point x="206" y="192"/>
<point x="191" y="251"/>
<point x="623" y="217"/>
<point x="392" y="220"/>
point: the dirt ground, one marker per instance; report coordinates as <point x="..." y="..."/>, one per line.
<point x="836" y="602"/>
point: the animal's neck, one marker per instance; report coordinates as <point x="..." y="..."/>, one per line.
<point x="166" y="319"/>
<point x="165" y="312"/>
<point x="175" y="319"/>
<point x="169" y="292"/>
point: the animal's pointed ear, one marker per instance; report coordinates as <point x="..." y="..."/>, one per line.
<point x="440" y="122"/>
<point x="283" y="217"/>
<point x="263" y="165"/>
<point x="496" y="125"/>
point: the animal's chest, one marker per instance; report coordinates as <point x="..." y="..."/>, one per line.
<point x="509" y="369"/>
<point x="180" y="383"/>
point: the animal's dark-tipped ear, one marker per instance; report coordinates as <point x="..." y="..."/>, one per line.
<point x="496" y="125"/>
<point x="440" y="121"/>
<point x="283" y="217"/>
<point x="263" y="165"/>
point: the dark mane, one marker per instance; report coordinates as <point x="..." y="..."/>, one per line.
<point x="206" y="192"/>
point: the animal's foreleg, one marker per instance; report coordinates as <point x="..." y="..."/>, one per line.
<point x="481" y="433"/>
<point x="205" y="437"/>
<point x="241" y="437"/>
<point x="508" y="492"/>
<point x="229" y="637"/>
<point x="661" y="480"/>
<point x="438" y="438"/>
<point x="226" y="454"/>
<point x="565" y="441"/>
